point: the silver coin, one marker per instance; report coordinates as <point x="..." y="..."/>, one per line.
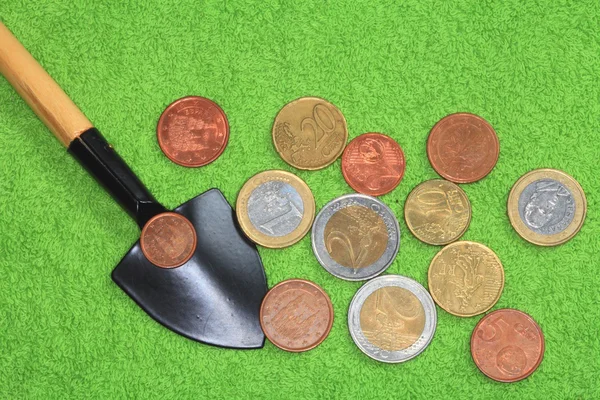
<point x="355" y="237"/>
<point x="392" y="318"/>
<point x="546" y="206"/>
<point x="275" y="208"/>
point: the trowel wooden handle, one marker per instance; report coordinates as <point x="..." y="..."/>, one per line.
<point x="39" y="90"/>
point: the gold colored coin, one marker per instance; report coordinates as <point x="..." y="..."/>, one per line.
<point x="392" y="318"/>
<point x="275" y="208"/>
<point x="437" y="212"/>
<point x="547" y="207"/>
<point x="310" y="133"/>
<point x="356" y="228"/>
<point x="466" y="278"/>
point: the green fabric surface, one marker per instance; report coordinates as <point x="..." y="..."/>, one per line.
<point x="531" y="68"/>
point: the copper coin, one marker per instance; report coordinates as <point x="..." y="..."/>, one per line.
<point x="193" y="131"/>
<point x="507" y="345"/>
<point x="296" y="315"/>
<point x="168" y="240"/>
<point x="373" y="164"/>
<point x="463" y="148"/>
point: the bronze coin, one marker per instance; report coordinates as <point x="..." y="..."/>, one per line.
<point x="463" y="148"/>
<point x="193" y="131"/>
<point x="507" y="345"/>
<point x="296" y="315"/>
<point x="373" y="164"/>
<point x="168" y="240"/>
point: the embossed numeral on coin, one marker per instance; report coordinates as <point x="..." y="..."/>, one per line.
<point x="496" y="328"/>
<point x="293" y="212"/>
<point x="326" y="125"/>
<point x="344" y="240"/>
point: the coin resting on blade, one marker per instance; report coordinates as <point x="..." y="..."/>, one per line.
<point x="466" y="278"/>
<point x="463" y="148"/>
<point x="507" y="345"/>
<point x="296" y="315"/>
<point x="392" y="318"/>
<point x="168" y="240"/>
<point x="373" y="164"/>
<point x="309" y="133"/>
<point x="437" y="212"/>
<point x="275" y="208"/>
<point x="547" y="207"/>
<point x="355" y="237"/>
<point x="193" y="131"/>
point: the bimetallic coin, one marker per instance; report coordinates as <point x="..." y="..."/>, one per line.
<point x="507" y="345"/>
<point x="466" y="278"/>
<point x="547" y="207"/>
<point x="296" y="315"/>
<point x="309" y="133"/>
<point x="275" y="208"/>
<point x="193" y="131"/>
<point x="355" y="237"/>
<point x="168" y="240"/>
<point x="437" y="212"/>
<point x="392" y="318"/>
<point x="373" y="164"/>
<point x="463" y="148"/>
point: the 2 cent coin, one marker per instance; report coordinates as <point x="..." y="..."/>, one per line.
<point x="507" y="345"/>
<point x="310" y="133"/>
<point x="463" y="148"/>
<point x="296" y="315"/>
<point x="193" y="131"/>
<point x="168" y="240"/>
<point x="373" y="164"/>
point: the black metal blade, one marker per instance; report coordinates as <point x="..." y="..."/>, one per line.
<point x="215" y="297"/>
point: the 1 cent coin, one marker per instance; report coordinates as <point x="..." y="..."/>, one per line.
<point x="507" y="345"/>
<point x="309" y="133"/>
<point x="275" y="208"/>
<point x="463" y="148"/>
<point x="466" y="278"/>
<point x="373" y="164"/>
<point x="168" y="240"/>
<point x="193" y="131"/>
<point x="547" y="207"/>
<point x="437" y="212"/>
<point x="296" y="315"/>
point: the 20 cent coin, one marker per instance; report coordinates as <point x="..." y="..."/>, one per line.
<point x="392" y="318"/>
<point x="168" y="240"/>
<point x="275" y="208"/>
<point x="355" y="237"/>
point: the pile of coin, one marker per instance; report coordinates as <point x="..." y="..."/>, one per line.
<point x="356" y="236"/>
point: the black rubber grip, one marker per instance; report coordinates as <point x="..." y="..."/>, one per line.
<point x="103" y="162"/>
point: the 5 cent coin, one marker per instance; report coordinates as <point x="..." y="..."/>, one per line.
<point x="373" y="164"/>
<point x="466" y="278"/>
<point x="193" y="131"/>
<point x="463" y="148"/>
<point x="507" y="345"/>
<point x="547" y="207"/>
<point x="275" y="208"/>
<point x="355" y="237"/>
<point x="168" y="240"/>
<point x="296" y="315"/>
<point x="392" y="318"/>
<point x="437" y="212"/>
<point x="310" y="133"/>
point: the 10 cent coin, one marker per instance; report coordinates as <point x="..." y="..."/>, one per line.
<point x="168" y="240"/>
<point x="507" y="345"/>
<point x="355" y="237"/>
<point x="275" y="208"/>
<point x="547" y="207"/>
<point x="309" y="133"/>
<point x="437" y="212"/>
<point x="392" y="318"/>
<point x="296" y="315"/>
<point x="466" y="278"/>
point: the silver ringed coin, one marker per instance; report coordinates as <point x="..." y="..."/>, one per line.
<point x="375" y="352"/>
<point x="375" y="268"/>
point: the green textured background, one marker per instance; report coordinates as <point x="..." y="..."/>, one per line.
<point x="530" y="68"/>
